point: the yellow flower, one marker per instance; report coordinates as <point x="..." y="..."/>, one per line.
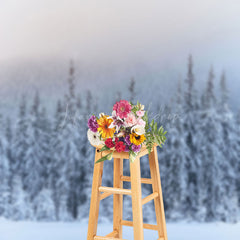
<point x="137" y="139"/>
<point x="104" y="122"/>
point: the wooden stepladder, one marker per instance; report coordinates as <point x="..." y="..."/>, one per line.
<point x="99" y="193"/>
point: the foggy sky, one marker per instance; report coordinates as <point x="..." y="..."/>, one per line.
<point x="160" y="34"/>
<point x="155" y="32"/>
<point x="119" y="30"/>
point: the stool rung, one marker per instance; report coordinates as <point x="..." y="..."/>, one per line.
<point x="106" y="238"/>
<point x="105" y="195"/>
<point x="145" y="225"/>
<point x="112" y="234"/>
<point x="115" y="190"/>
<point x="143" y="180"/>
<point x="149" y="198"/>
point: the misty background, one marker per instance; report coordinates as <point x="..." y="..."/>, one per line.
<point x="65" y="59"/>
<point x="111" y="42"/>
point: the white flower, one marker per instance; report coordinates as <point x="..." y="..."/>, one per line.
<point x="117" y="121"/>
<point x="101" y="114"/>
<point x="94" y="138"/>
<point x="138" y="129"/>
<point x="141" y="107"/>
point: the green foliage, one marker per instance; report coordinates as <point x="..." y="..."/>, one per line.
<point x="136" y="107"/>
<point x="153" y="133"/>
<point x="132" y="156"/>
<point x="104" y="148"/>
<point x="107" y="157"/>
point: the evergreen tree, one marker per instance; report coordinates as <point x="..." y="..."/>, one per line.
<point x="20" y="143"/>
<point x="132" y="90"/>
<point x="227" y="204"/>
<point x="9" y="155"/>
<point x="70" y="149"/>
<point x="224" y="91"/>
<point x="190" y="81"/>
<point x="209" y="142"/>
<point x="4" y="184"/>
<point x="44" y="206"/>
<point x="86" y="163"/>
<point x="190" y="126"/>
<point x="44" y="137"/>
<point x="34" y="169"/>
<point x="59" y="185"/>
<point x="175" y="180"/>
<point x="21" y="208"/>
<point x="237" y="124"/>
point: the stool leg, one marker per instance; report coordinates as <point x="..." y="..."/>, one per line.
<point x="158" y="202"/>
<point x="136" y="199"/>
<point x="95" y="198"/>
<point x="117" y="198"/>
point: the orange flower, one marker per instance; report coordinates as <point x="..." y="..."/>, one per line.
<point x="104" y="122"/>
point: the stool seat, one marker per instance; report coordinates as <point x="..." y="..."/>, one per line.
<point x="124" y="155"/>
<point x="101" y="192"/>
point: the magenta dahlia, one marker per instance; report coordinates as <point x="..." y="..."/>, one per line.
<point x="122" y="108"/>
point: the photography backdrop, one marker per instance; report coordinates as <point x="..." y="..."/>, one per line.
<point x="62" y="61"/>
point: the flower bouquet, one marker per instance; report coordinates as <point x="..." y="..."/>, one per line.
<point x="126" y="130"/>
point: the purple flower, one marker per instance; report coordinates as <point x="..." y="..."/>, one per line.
<point x="92" y="124"/>
<point x="126" y="148"/>
<point x="127" y="140"/>
<point x="136" y="148"/>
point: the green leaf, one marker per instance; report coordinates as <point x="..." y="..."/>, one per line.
<point x="132" y="156"/>
<point x="104" y="148"/>
<point x="107" y="157"/>
<point x="151" y="124"/>
<point x="155" y="127"/>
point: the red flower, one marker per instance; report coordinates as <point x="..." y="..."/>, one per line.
<point x="120" y="147"/>
<point x="109" y="143"/>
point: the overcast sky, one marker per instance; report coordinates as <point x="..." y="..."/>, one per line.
<point x="158" y="33"/>
<point x="123" y="31"/>
<point x="119" y="29"/>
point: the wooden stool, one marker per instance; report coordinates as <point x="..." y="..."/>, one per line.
<point x="99" y="193"/>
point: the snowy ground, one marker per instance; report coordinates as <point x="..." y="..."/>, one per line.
<point x="78" y="231"/>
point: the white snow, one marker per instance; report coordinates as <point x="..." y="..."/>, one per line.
<point x="78" y="231"/>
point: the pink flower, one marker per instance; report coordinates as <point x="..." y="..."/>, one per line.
<point x="122" y="108"/>
<point x="130" y="120"/>
<point x="140" y="113"/>
<point x="141" y="122"/>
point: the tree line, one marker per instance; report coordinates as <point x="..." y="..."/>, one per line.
<point x="46" y="162"/>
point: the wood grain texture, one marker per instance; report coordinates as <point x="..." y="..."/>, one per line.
<point x="149" y="198"/>
<point x="143" y="180"/>
<point x="145" y="225"/>
<point x="136" y="199"/>
<point x="115" y="190"/>
<point x="105" y="195"/>
<point x="95" y="198"/>
<point x="117" y="198"/>
<point x="112" y="234"/>
<point x="106" y="238"/>
<point x="136" y="192"/>
<point x="158" y="202"/>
